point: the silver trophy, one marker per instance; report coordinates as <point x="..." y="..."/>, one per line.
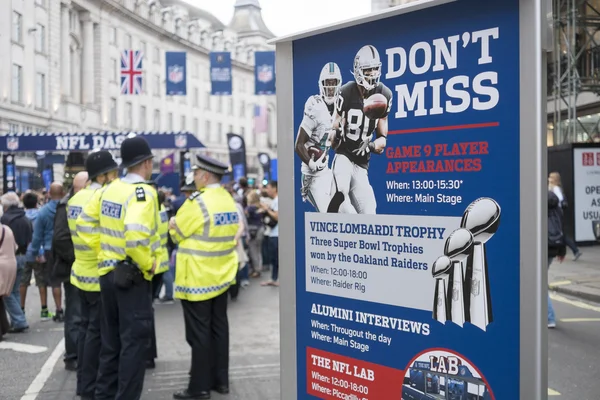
<point x="459" y="248"/>
<point x="482" y="218"/>
<point x="441" y="272"/>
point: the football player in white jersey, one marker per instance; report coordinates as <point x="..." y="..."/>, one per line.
<point x="312" y="141"/>
<point x="353" y="136"/>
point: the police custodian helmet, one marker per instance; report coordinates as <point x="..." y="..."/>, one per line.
<point x="100" y="162"/>
<point x="135" y="150"/>
<point x="211" y="165"/>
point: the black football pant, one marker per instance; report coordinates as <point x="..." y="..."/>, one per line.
<point x="88" y="355"/>
<point x="207" y="333"/>
<point x="126" y="329"/>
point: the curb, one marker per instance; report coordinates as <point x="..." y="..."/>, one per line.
<point x="573" y="291"/>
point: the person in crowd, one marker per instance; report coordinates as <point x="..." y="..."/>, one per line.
<point x="244" y="189"/>
<point x="14" y="217"/>
<point x="271" y="219"/>
<point x="265" y="202"/>
<point x="240" y="238"/>
<point x="556" y="246"/>
<point x="256" y="233"/>
<point x="32" y="266"/>
<point x="207" y="259"/>
<point x="63" y="254"/>
<point x="555" y="184"/>
<point x="43" y="231"/>
<point x="8" y="272"/>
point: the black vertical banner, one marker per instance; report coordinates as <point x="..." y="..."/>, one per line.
<point x="265" y="161"/>
<point x="237" y="155"/>
<point x="185" y="163"/>
<point x="10" y="173"/>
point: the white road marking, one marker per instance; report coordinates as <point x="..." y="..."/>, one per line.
<point x="575" y="303"/>
<point x="40" y="380"/>
<point x="553" y="392"/>
<point x="580" y="319"/>
<point x="22" y="347"/>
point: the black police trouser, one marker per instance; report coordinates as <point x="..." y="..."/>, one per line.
<point x="152" y="351"/>
<point x="72" y="321"/>
<point x="157" y="281"/>
<point x="207" y="333"/>
<point x="126" y="327"/>
<point x="89" y="342"/>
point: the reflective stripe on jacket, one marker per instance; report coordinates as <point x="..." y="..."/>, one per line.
<point x="207" y="261"/>
<point x="163" y="232"/>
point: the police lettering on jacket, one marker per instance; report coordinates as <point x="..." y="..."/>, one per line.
<point x="226" y="218"/>
<point x="111" y="210"/>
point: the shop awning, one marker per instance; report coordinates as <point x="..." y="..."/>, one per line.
<point x="87" y="141"/>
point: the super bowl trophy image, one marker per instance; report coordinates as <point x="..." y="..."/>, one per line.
<point x="596" y="229"/>
<point x="482" y="219"/>
<point x="441" y="273"/>
<point x="458" y="248"/>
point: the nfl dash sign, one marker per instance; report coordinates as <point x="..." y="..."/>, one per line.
<point x="176" y="73"/>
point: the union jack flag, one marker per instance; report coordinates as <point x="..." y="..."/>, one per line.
<point x="131" y="71"/>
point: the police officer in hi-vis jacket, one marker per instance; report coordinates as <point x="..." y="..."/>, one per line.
<point x="207" y="263"/>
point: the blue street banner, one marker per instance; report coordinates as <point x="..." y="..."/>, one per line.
<point x="237" y="155"/>
<point x="407" y="206"/>
<point x="176" y="73"/>
<point x="48" y="177"/>
<point x="83" y="141"/>
<point x="220" y="73"/>
<point x="265" y="161"/>
<point x="10" y="173"/>
<point x="264" y="72"/>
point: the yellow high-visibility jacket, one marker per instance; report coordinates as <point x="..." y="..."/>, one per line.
<point x="84" y="273"/>
<point x="163" y="231"/>
<point x="205" y="228"/>
<point x="127" y="216"/>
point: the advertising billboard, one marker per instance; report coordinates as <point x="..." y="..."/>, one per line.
<point x="405" y="204"/>
<point x="586" y="193"/>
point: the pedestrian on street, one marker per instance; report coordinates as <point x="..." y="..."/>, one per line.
<point x="556" y="243"/>
<point x="207" y="263"/>
<point x="63" y="254"/>
<point x="555" y="184"/>
<point x="130" y="252"/>
<point x="14" y="217"/>
<point x="271" y="219"/>
<point x="8" y="272"/>
<point x="101" y="169"/>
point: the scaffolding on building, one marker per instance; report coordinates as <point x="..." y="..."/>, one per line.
<point x="574" y="68"/>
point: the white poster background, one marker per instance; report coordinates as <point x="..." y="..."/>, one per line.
<point x="404" y="287"/>
<point x="585" y="177"/>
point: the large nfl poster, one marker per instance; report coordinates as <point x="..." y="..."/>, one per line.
<point x="407" y="207"/>
<point x="586" y="175"/>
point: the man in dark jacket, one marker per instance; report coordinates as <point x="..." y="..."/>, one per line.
<point x="556" y="243"/>
<point x="14" y="217"/>
<point x="64" y="257"/>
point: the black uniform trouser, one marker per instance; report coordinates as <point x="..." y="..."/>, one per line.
<point x="88" y="355"/>
<point x="207" y="333"/>
<point x="126" y="328"/>
<point x="152" y="349"/>
<point x="72" y="321"/>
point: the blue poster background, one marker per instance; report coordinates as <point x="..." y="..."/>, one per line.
<point x="494" y="352"/>
<point x="264" y="72"/>
<point x="220" y="73"/>
<point x="176" y="73"/>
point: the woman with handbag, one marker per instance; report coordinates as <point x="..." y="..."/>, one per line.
<point x="555" y="185"/>
<point x="8" y="272"/>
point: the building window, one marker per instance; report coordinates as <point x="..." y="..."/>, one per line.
<point x="157" y="85"/>
<point x="128" y="42"/>
<point x="208" y="133"/>
<point x="157" y="120"/>
<point x="17" y="27"/>
<point x="208" y="97"/>
<point x="113" y="35"/>
<point x="17" y="84"/>
<point x="156" y="55"/>
<point x="182" y="126"/>
<point x="196" y="97"/>
<point x="242" y="108"/>
<point x="219" y="132"/>
<point x="40" y="38"/>
<point x="243" y="132"/>
<point x="219" y="104"/>
<point x="142" y="125"/>
<point x="230" y="106"/>
<point x="40" y="91"/>
<point x="196" y="126"/>
<point x="115" y="69"/>
<point x="143" y="48"/>
<point x="128" y="111"/>
<point x="113" y="111"/>
<point x="170" y="122"/>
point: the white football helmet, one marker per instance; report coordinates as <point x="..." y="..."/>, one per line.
<point x="367" y="67"/>
<point x="330" y="82"/>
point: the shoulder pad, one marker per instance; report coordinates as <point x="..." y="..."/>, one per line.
<point x="385" y="91"/>
<point x="140" y="193"/>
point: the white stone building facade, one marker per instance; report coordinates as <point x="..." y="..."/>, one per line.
<point x="60" y="69"/>
<point x="378" y="5"/>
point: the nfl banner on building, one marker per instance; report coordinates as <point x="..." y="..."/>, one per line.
<point x="237" y="155"/>
<point x="264" y="72"/>
<point x="176" y="73"/>
<point x="265" y="162"/>
<point x="10" y="175"/>
<point x="220" y="73"/>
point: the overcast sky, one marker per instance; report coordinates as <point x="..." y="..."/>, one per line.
<point x="289" y="16"/>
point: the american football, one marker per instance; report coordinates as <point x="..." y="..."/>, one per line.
<point x="315" y="152"/>
<point x="375" y="106"/>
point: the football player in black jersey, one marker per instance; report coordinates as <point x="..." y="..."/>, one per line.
<point x="353" y="134"/>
